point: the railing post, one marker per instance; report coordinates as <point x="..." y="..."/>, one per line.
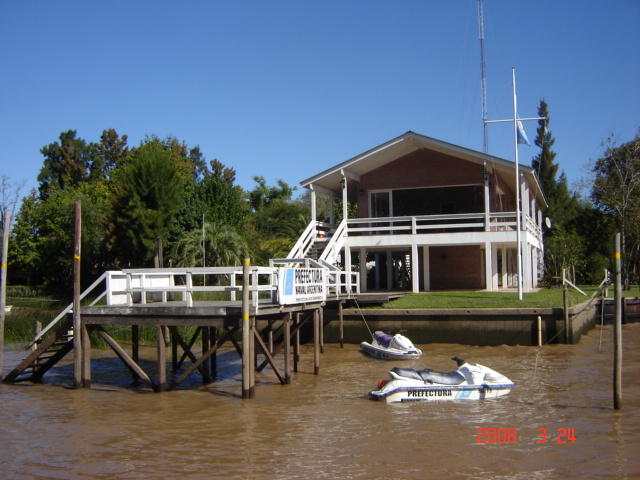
<point x="189" y="291"/>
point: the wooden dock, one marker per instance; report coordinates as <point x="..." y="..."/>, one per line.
<point x="269" y="319"/>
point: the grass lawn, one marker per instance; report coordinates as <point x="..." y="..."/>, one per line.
<point x="544" y="298"/>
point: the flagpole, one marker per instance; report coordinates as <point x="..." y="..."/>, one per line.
<point x="516" y="124"/>
<point x="518" y="222"/>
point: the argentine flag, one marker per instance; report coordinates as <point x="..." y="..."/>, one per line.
<point x="522" y="137"/>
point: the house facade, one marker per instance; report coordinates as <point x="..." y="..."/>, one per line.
<point x="431" y="216"/>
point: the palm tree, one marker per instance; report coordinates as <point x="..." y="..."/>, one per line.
<point x="216" y="245"/>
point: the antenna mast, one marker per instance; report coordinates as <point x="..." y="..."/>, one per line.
<point x="483" y="79"/>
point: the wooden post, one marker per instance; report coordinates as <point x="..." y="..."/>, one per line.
<point x="86" y="357"/>
<point x="617" y="334"/>
<point x="287" y="348"/>
<point x="321" y="326"/>
<point x="316" y="342"/>
<point x="246" y="333"/>
<point x="3" y="281"/>
<point x="38" y="329"/>
<point x="135" y="346"/>
<point x="77" y="321"/>
<point x="565" y="300"/>
<point x="341" y="319"/>
<point x="296" y="343"/>
<point x="206" y="344"/>
<point x="213" y="359"/>
<point x="539" y="331"/>
<point x="162" y="359"/>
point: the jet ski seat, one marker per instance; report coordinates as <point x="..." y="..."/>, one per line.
<point x="382" y="338"/>
<point x="429" y="376"/>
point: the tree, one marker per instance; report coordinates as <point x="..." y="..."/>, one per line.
<point x="67" y="163"/>
<point x="43" y="238"/>
<point x="274" y="219"/>
<point x="543" y="162"/>
<point x="616" y="191"/>
<point x="563" y="204"/>
<point x="111" y="150"/>
<point x="147" y="192"/>
<point x="216" y="245"/>
<point x="9" y="196"/>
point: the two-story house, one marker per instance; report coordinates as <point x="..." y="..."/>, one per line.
<point x="431" y="216"/>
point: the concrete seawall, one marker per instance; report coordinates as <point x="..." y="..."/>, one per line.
<point x="508" y="326"/>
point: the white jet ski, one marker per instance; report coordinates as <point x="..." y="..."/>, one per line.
<point x="391" y="347"/>
<point x="469" y="381"/>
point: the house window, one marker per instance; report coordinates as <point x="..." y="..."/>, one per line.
<point x="438" y="200"/>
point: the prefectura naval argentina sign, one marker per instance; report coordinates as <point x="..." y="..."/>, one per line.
<point x="301" y="285"/>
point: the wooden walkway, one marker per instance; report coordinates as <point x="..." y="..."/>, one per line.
<point x="277" y="302"/>
<point x="275" y="330"/>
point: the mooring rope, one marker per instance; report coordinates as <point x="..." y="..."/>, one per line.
<point x="362" y="315"/>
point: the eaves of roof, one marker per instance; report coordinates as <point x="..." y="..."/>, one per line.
<point x="330" y="179"/>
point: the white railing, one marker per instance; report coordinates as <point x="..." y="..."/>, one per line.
<point x="146" y="285"/>
<point x="333" y="248"/>
<point x="498" y="221"/>
<point x="305" y="242"/>
<point x="69" y="308"/>
<point x="141" y="286"/>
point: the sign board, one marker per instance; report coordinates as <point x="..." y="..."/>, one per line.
<point x="301" y="285"/>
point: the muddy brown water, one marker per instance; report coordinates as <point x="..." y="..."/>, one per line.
<point x="326" y="427"/>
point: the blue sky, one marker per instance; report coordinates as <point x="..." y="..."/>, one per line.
<point x="286" y="89"/>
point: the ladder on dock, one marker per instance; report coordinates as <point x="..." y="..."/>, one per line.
<point x="46" y="354"/>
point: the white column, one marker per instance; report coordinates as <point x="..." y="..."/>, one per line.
<point x="426" y="273"/>
<point x="345" y="210"/>
<point x="494" y="268"/>
<point x="347" y="265"/>
<point x="363" y="270"/>
<point x="526" y="265"/>
<point x="505" y="262"/>
<point x="313" y="211"/>
<point x="487" y="201"/>
<point x="415" y="269"/>
<point x="488" y="264"/>
<point x="331" y="219"/>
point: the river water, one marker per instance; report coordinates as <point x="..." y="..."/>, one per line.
<point x="326" y="427"/>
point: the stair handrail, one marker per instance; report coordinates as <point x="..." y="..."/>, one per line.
<point x="304" y="242"/>
<point x="336" y="242"/>
<point x="68" y="309"/>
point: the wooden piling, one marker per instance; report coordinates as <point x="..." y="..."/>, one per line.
<point x="162" y="358"/>
<point x="135" y="348"/>
<point x="565" y="302"/>
<point x="246" y="333"/>
<point x="617" y="334"/>
<point x="316" y="342"/>
<point x="539" y="331"/>
<point x="287" y="348"/>
<point x="77" y="322"/>
<point x="3" y="281"/>
<point x="341" y="320"/>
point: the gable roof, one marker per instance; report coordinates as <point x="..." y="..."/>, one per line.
<point x="330" y="179"/>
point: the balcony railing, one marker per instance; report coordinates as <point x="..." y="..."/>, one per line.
<point x="421" y="224"/>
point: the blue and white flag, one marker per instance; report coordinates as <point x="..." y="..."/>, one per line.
<point x="522" y="137"/>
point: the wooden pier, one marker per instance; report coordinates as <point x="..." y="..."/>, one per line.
<point x="277" y="302"/>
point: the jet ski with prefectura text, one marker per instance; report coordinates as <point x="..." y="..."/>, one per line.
<point x="391" y="346"/>
<point x="470" y="381"/>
